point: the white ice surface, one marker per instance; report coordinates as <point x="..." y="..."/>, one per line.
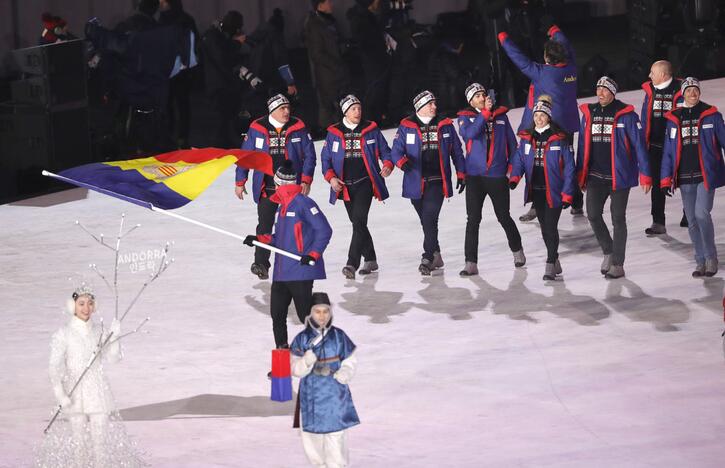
<point x="500" y="370"/>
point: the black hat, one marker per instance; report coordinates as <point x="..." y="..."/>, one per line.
<point x="285" y="174"/>
<point x="320" y="298"/>
<point x="232" y="22"/>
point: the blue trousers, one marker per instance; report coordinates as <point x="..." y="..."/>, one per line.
<point x="428" y="208"/>
<point x="697" y="203"/>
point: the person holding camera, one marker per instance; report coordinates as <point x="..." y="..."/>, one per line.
<point x="489" y="140"/>
<point x="226" y="76"/>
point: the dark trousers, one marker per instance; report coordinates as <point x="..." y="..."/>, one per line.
<point x="266" y="210"/>
<point x="283" y="293"/>
<point x="477" y="187"/>
<point x="226" y="105"/>
<point x="361" y="244"/>
<point x="597" y="194"/>
<point x="327" y="102"/>
<point x="658" y="197"/>
<point x="179" y="107"/>
<point x="376" y="94"/>
<point x="577" y="202"/>
<point x="549" y="224"/>
<point x="428" y="208"/>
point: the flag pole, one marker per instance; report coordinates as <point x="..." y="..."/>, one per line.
<point x="227" y="233"/>
<point x="178" y="216"/>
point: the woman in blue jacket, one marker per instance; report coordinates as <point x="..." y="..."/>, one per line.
<point x="693" y="161"/>
<point x="351" y="159"/>
<point x="423" y="148"/>
<point x="545" y="157"/>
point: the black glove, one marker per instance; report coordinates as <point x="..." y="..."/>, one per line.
<point x="565" y="205"/>
<point x="513" y="185"/>
<point x="406" y="166"/>
<point x="667" y="191"/>
<point x="461" y="185"/>
<point x="307" y="259"/>
<point x="248" y="240"/>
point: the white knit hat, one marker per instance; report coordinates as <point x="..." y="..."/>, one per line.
<point x="422" y="99"/>
<point x="689" y="82"/>
<point x="472" y="89"/>
<point x="276" y="101"/>
<point x="542" y="106"/>
<point x="347" y="102"/>
<point x="607" y="82"/>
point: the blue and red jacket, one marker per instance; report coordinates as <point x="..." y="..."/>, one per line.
<point x="298" y="148"/>
<point x="301" y="228"/>
<point x="374" y="148"/>
<point x="406" y="147"/>
<point x="627" y="138"/>
<point x="712" y="141"/>
<point x="558" y="81"/>
<point x="558" y="168"/>
<point x="647" y="107"/>
<point x="479" y="160"/>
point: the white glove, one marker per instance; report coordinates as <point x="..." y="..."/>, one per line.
<point x="343" y="375"/>
<point x="310" y="357"/>
<point x="64" y="401"/>
<point x="115" y="328"/>
<point x="255" y="82"/>
<point x="246" y="75"/>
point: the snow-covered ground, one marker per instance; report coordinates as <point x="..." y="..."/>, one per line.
<point x="501" y="370"/>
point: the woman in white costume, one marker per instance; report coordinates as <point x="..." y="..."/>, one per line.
<point x="88" y="432"/>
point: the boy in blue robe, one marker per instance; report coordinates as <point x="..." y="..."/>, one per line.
<point x="323" y="358"/>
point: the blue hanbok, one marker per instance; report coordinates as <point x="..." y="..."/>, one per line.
<point x="325" y="404"/>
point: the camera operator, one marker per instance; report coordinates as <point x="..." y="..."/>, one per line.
<point x="226" y="76"/>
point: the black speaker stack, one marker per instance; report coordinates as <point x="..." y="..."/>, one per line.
<point x="45" y="125"/>
<point x="651" y="26"/>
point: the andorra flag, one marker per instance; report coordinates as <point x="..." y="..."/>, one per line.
<point x="166" y="181"/>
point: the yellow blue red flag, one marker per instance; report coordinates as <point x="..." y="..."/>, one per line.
<point x="166" y="181"/>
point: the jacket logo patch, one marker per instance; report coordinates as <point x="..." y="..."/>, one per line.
<point x="527" y="148"/>
<point x="555" y="148"/>
<point x="446" y="135"/>
<point x="290" y="214"/>
<point x="370" y="142"/>
<point x="673" y="133"/>
<point x="707" y="126"/>
<point x="410" y="138"/>
<point x="501" y="122"/>
<point x="259" y="143"/>
<point x="620" y="125"/>
<point x="335" y="146"/>
<point x="314" y="210"/>
<point x="295" y="140"/>
<point x="570" y="79"/>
